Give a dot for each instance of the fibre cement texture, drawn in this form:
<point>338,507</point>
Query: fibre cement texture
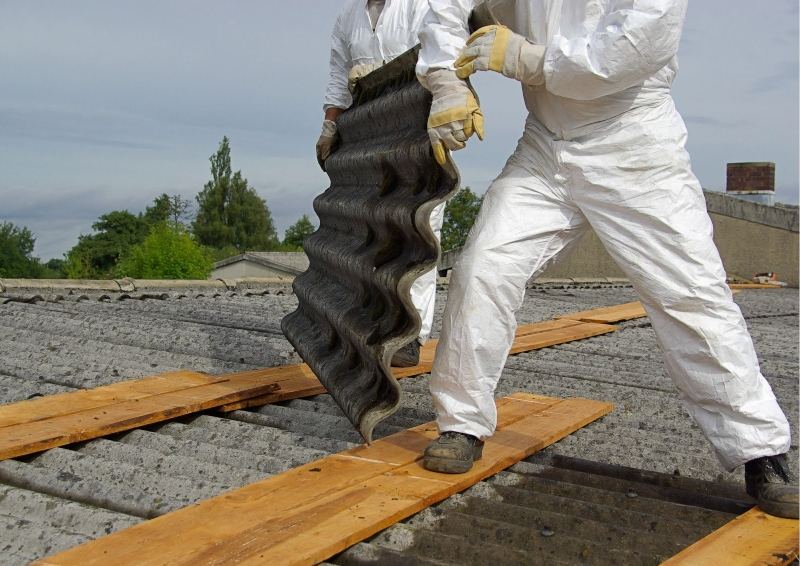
<point>548,509</point>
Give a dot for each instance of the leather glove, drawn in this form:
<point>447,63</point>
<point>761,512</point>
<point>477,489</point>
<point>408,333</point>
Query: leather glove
<point>497,48</point>
<point>326,142</point>
<point>455,114</point>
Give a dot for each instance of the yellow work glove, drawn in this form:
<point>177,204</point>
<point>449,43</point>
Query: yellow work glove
<point>455,114</point>
<point>326,142</point>
<point>497,48</point>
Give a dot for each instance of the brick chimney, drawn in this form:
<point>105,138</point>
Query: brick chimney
<point>752,181</point>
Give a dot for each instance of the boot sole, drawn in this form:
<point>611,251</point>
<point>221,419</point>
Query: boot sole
<point>450,466</point>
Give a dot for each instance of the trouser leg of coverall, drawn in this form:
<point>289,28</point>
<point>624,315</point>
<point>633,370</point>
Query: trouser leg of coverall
<point>423,290</point>
<point>523,222</point>
<point>658,231</point>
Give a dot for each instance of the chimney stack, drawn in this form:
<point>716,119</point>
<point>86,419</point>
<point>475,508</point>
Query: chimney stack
<point>752,181</point>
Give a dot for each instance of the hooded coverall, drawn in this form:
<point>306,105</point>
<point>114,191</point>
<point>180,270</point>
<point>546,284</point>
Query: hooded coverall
<point>603,147</point>
<point>358,45</point>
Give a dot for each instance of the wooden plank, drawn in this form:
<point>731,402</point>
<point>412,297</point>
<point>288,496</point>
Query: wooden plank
<point>560,336</point>
<point>308,514</point>
<point>27,438</point>
<point>75,401</point>
<point>56,420</point>
<point>754,286</point>
<point>529,337</point>
<point>751,538</point>
<point>607,315</point>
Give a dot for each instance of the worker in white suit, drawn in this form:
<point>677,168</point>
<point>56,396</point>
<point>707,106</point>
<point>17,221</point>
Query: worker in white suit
<point>367,34</point>
<point>603,147</point>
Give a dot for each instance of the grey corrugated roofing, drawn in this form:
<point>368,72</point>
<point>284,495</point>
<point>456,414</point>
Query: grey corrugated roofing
<point>584,500</point>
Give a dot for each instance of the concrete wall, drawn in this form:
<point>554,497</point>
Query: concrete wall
<point>752,238</point>
<point>247,269</point>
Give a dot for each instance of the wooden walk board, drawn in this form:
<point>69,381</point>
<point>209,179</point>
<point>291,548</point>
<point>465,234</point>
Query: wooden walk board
<point>118,412</point>
<point>607,315</point>
<point>528,337</point>
<point>754,286</point>
<point>56,420</point>
<point>750,539</point>
<point>310,513</point>
<point>76,401</point>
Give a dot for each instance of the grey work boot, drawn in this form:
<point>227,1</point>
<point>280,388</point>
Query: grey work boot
<point>452,453</point>
<point>407,356</point>
<point>767,481</point>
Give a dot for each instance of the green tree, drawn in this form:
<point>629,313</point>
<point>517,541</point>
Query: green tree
<point>16,252</point>
<point>459,216</point>
<point>174,209</point>
<point>54,269</point>
<point>229,212</point>
<point>297,232</point>
<point>168,252</point>
<point>96,255</point>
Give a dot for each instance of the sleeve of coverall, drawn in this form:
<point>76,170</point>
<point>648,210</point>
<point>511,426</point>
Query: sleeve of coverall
<point>337,95</point>
<point>444,33</point>
<point>633,40</point>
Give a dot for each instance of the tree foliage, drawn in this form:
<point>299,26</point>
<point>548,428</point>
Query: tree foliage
<point>173,209</point>
<point>16,252</point>
<point>459,216</point>
<point>297,232</point>
<point>168,252</point>
<point>229,212</point>
<point>96,255</point>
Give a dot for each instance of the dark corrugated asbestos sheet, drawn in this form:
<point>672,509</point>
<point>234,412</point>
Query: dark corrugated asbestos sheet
<point>373,241</point>
<point>585,500</point>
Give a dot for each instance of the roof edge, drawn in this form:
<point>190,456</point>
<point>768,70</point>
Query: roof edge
<point>773,216</point>
<point>129,285</point>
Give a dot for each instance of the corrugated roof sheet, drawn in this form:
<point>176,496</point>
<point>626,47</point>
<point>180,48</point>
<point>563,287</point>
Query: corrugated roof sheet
<point>584,500</point>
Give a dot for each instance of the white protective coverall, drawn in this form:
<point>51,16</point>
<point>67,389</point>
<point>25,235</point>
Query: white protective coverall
<point>603,146</point>
<point>355,45</point>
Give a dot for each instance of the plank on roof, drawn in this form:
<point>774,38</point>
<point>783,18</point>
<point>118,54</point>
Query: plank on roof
<point>607,315</point>
<point>76,401</point>
<point>119,415</point>
<point>56,420</point>
<point>751,538</point>
<point>528,337</point>
<point>310,513</point>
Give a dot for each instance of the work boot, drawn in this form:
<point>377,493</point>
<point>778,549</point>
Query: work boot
<point>767,481</point>
<point>452,453</point>
<point>407,356</point>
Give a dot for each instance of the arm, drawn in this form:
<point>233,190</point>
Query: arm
<point>632,41</point>
<point>455,114</point>
<point>337,95</point>
<point>444,33</point>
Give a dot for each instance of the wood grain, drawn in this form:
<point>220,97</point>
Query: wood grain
<point>750,539</point>
<point>44,433</point>
<point>607,315</point>
<point>310,513</point>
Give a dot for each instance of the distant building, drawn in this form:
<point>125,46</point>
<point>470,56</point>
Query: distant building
<point>284,265</point>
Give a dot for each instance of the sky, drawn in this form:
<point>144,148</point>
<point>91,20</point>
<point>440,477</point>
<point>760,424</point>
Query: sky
<point>105,105</point>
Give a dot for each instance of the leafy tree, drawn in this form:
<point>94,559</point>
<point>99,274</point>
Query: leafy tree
<point>53,269</point>
<point>95,255</point>
<point>166,208</point>
<point>459,216</point>
<point>16,249</point>
<point>297,232</point>
<point>229,212</point>
<point>168,252</point>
